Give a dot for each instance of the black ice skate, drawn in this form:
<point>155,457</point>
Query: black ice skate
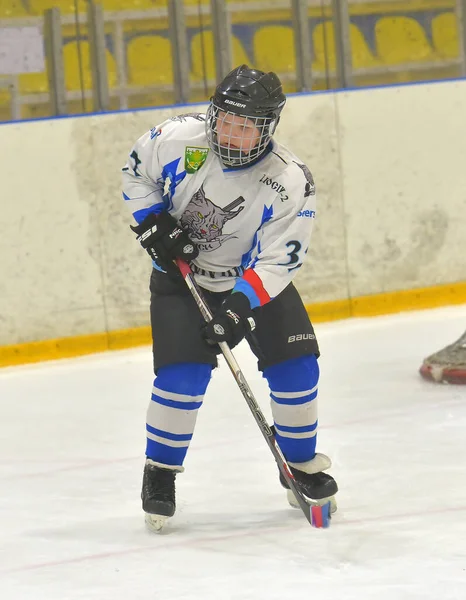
<point>318,487</point>
<point>158,495</point>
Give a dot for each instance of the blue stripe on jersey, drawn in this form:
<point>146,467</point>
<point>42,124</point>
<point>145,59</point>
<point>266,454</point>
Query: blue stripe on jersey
<point>259,250</point>
<point>125,197</point>
<point>267,214</point>
<point>140,215</point>
<point>246,258</point>
<point>170,170</point>
<point>176,437</point>
<point>246,288</point>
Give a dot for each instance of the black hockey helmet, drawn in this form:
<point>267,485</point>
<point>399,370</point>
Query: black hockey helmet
<point>249,93</point>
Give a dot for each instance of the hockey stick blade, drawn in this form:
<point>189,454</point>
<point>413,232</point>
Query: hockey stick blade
<point>316,514</point>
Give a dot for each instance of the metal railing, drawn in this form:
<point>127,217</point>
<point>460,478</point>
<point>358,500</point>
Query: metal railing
<point>102,95</point>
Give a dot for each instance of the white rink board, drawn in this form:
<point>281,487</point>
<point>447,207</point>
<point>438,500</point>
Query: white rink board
<point>390,178</point>
<point>50,279</point>
<point>403,156</point>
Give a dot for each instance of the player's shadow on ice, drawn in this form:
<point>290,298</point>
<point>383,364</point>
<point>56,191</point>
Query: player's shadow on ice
<point>124,530</point>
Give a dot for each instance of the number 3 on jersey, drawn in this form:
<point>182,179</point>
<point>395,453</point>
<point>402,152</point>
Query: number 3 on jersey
<point>295,247</point>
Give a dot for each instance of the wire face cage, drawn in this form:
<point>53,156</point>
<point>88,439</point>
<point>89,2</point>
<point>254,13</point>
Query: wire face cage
<point>237,139</point>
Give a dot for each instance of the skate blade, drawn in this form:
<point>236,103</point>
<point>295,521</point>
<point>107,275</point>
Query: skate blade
<point>155,522</point>
<point>440,374</point>
<point>321,510</point>
<point>333,503</point>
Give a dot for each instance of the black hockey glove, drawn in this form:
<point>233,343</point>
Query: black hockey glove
<point>164,240</point>
<point>231,322</point>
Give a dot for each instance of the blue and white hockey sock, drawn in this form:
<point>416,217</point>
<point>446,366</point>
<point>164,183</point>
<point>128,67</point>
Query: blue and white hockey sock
<point>293,390</point>
<point>177,395</point>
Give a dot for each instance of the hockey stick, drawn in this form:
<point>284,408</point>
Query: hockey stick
<point>317,515</point>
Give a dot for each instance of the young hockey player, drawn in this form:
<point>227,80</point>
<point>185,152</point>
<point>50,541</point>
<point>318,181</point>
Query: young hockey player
<point>218,192</point>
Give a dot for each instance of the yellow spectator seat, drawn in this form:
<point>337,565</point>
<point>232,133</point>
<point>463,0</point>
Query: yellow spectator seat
<point>361,54</point>
<point>323,42</point>
<point>323,39</point>
<point>445,35</point>
<point>206,2</point>
<point>115,5</point>
<point>402,40</point>
<point>274,49</point>
<point>12,8</point>
<point>5,99</point>
<point>33,83</point>
<point>150,60</point>
<point>29,83</point>
<point>198,55</point>
<point>71,63</point>
<point>37,7</point>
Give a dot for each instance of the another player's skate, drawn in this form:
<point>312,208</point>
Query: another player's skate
<point>317,487</point>
<point>158,494</point>
<point>447,365</point>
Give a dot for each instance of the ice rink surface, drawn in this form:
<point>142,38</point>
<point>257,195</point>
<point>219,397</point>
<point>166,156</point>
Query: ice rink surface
<point>72,449</point>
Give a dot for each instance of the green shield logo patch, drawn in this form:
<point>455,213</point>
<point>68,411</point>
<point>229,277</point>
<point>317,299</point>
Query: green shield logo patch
<point>194,158</point>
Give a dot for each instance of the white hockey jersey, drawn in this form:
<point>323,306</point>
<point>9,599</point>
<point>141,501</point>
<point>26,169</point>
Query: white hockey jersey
<point>252,225</point>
